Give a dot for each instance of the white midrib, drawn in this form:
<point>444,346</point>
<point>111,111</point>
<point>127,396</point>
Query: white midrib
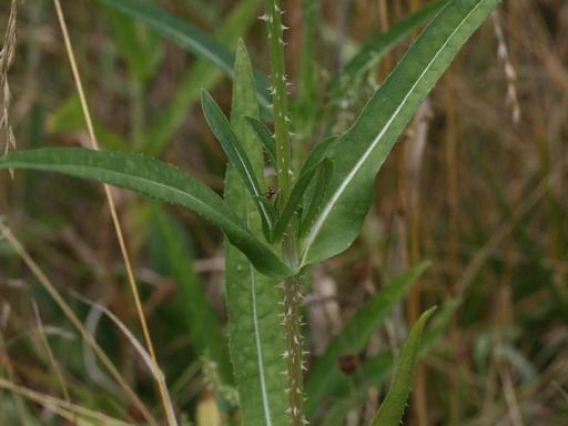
<point>331,204</point>
<point>257,339</point>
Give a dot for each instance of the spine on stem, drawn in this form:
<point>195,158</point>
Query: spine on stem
<point>292,286</point>
<point>273,18</point>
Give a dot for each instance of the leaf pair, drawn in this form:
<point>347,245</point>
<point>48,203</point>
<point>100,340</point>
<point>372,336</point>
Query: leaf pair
<point>274,223</point>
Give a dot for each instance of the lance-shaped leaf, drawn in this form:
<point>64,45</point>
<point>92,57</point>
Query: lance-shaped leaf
<point>222,130</point>
<point>350,390</point>
<point>188,37</point>
<point>325,374</point>
<point>358,155</point>
<point>295,199</point>
<point>157,180</point>
<point>391,410</point>
<point>381,43</point>
<point>265,137</point>
<point>256,335</point>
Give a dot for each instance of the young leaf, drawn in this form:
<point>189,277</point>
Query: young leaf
<point>265,137</point>
<point>222,130</point>
<point>256,335</point>
<point>381,43</point>
<point>318,153</point>
<point>359,153</point>
<point>355,335</point>
<point>156,180</point>
<point>294,200</point>
<point>391,410</point>
<point>190,38</point>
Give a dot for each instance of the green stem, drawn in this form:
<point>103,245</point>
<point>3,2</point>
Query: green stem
<point>292,286</point>
<point>280,96</point>
<point>294,353</point>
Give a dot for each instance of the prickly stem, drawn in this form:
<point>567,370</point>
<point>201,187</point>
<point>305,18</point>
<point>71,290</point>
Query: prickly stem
<point>294,358</point>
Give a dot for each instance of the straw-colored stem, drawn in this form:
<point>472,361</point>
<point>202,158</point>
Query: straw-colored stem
<point>117,226</point>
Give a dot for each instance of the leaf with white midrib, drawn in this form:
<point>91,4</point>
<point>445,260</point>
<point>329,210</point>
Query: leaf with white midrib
<point>359,153</point>
<point>256,335</point>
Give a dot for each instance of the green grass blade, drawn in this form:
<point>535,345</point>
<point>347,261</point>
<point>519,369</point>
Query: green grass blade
<point>265,136</point>
<point>201,74</point>
<point>355,335</point>
<point>379,44</point>
<point>222,130</point>
<point>358,155</point>
<point>156,180</point>
<point>204,327</point>
<point>256,335</point>
<point>391,410</point>
<point>190,38</point>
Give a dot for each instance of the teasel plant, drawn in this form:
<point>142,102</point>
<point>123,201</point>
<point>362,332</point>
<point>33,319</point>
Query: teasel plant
<point>274,236</point>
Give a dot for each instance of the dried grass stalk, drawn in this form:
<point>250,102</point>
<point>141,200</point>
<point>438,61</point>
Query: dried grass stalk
<point>512,99</point>
<point>7,138</point>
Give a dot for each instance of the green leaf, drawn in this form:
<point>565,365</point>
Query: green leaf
<point>381,43</point>
<point>319,152</point>
<point>358,155</point>
<point>222,130</point>
<point>315,194</point>
<point>201,322</point>
<point>190,38</point>
<point>391,410</point>
<point>294,200</point>
<point>256,335</point>
<point>201,74</point>
<point>156,180</point>
<point>349,391</point>
<point>325,373</point>
<point>265,136</point>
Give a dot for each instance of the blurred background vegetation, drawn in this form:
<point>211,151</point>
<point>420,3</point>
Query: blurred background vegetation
<point>477,186</point>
